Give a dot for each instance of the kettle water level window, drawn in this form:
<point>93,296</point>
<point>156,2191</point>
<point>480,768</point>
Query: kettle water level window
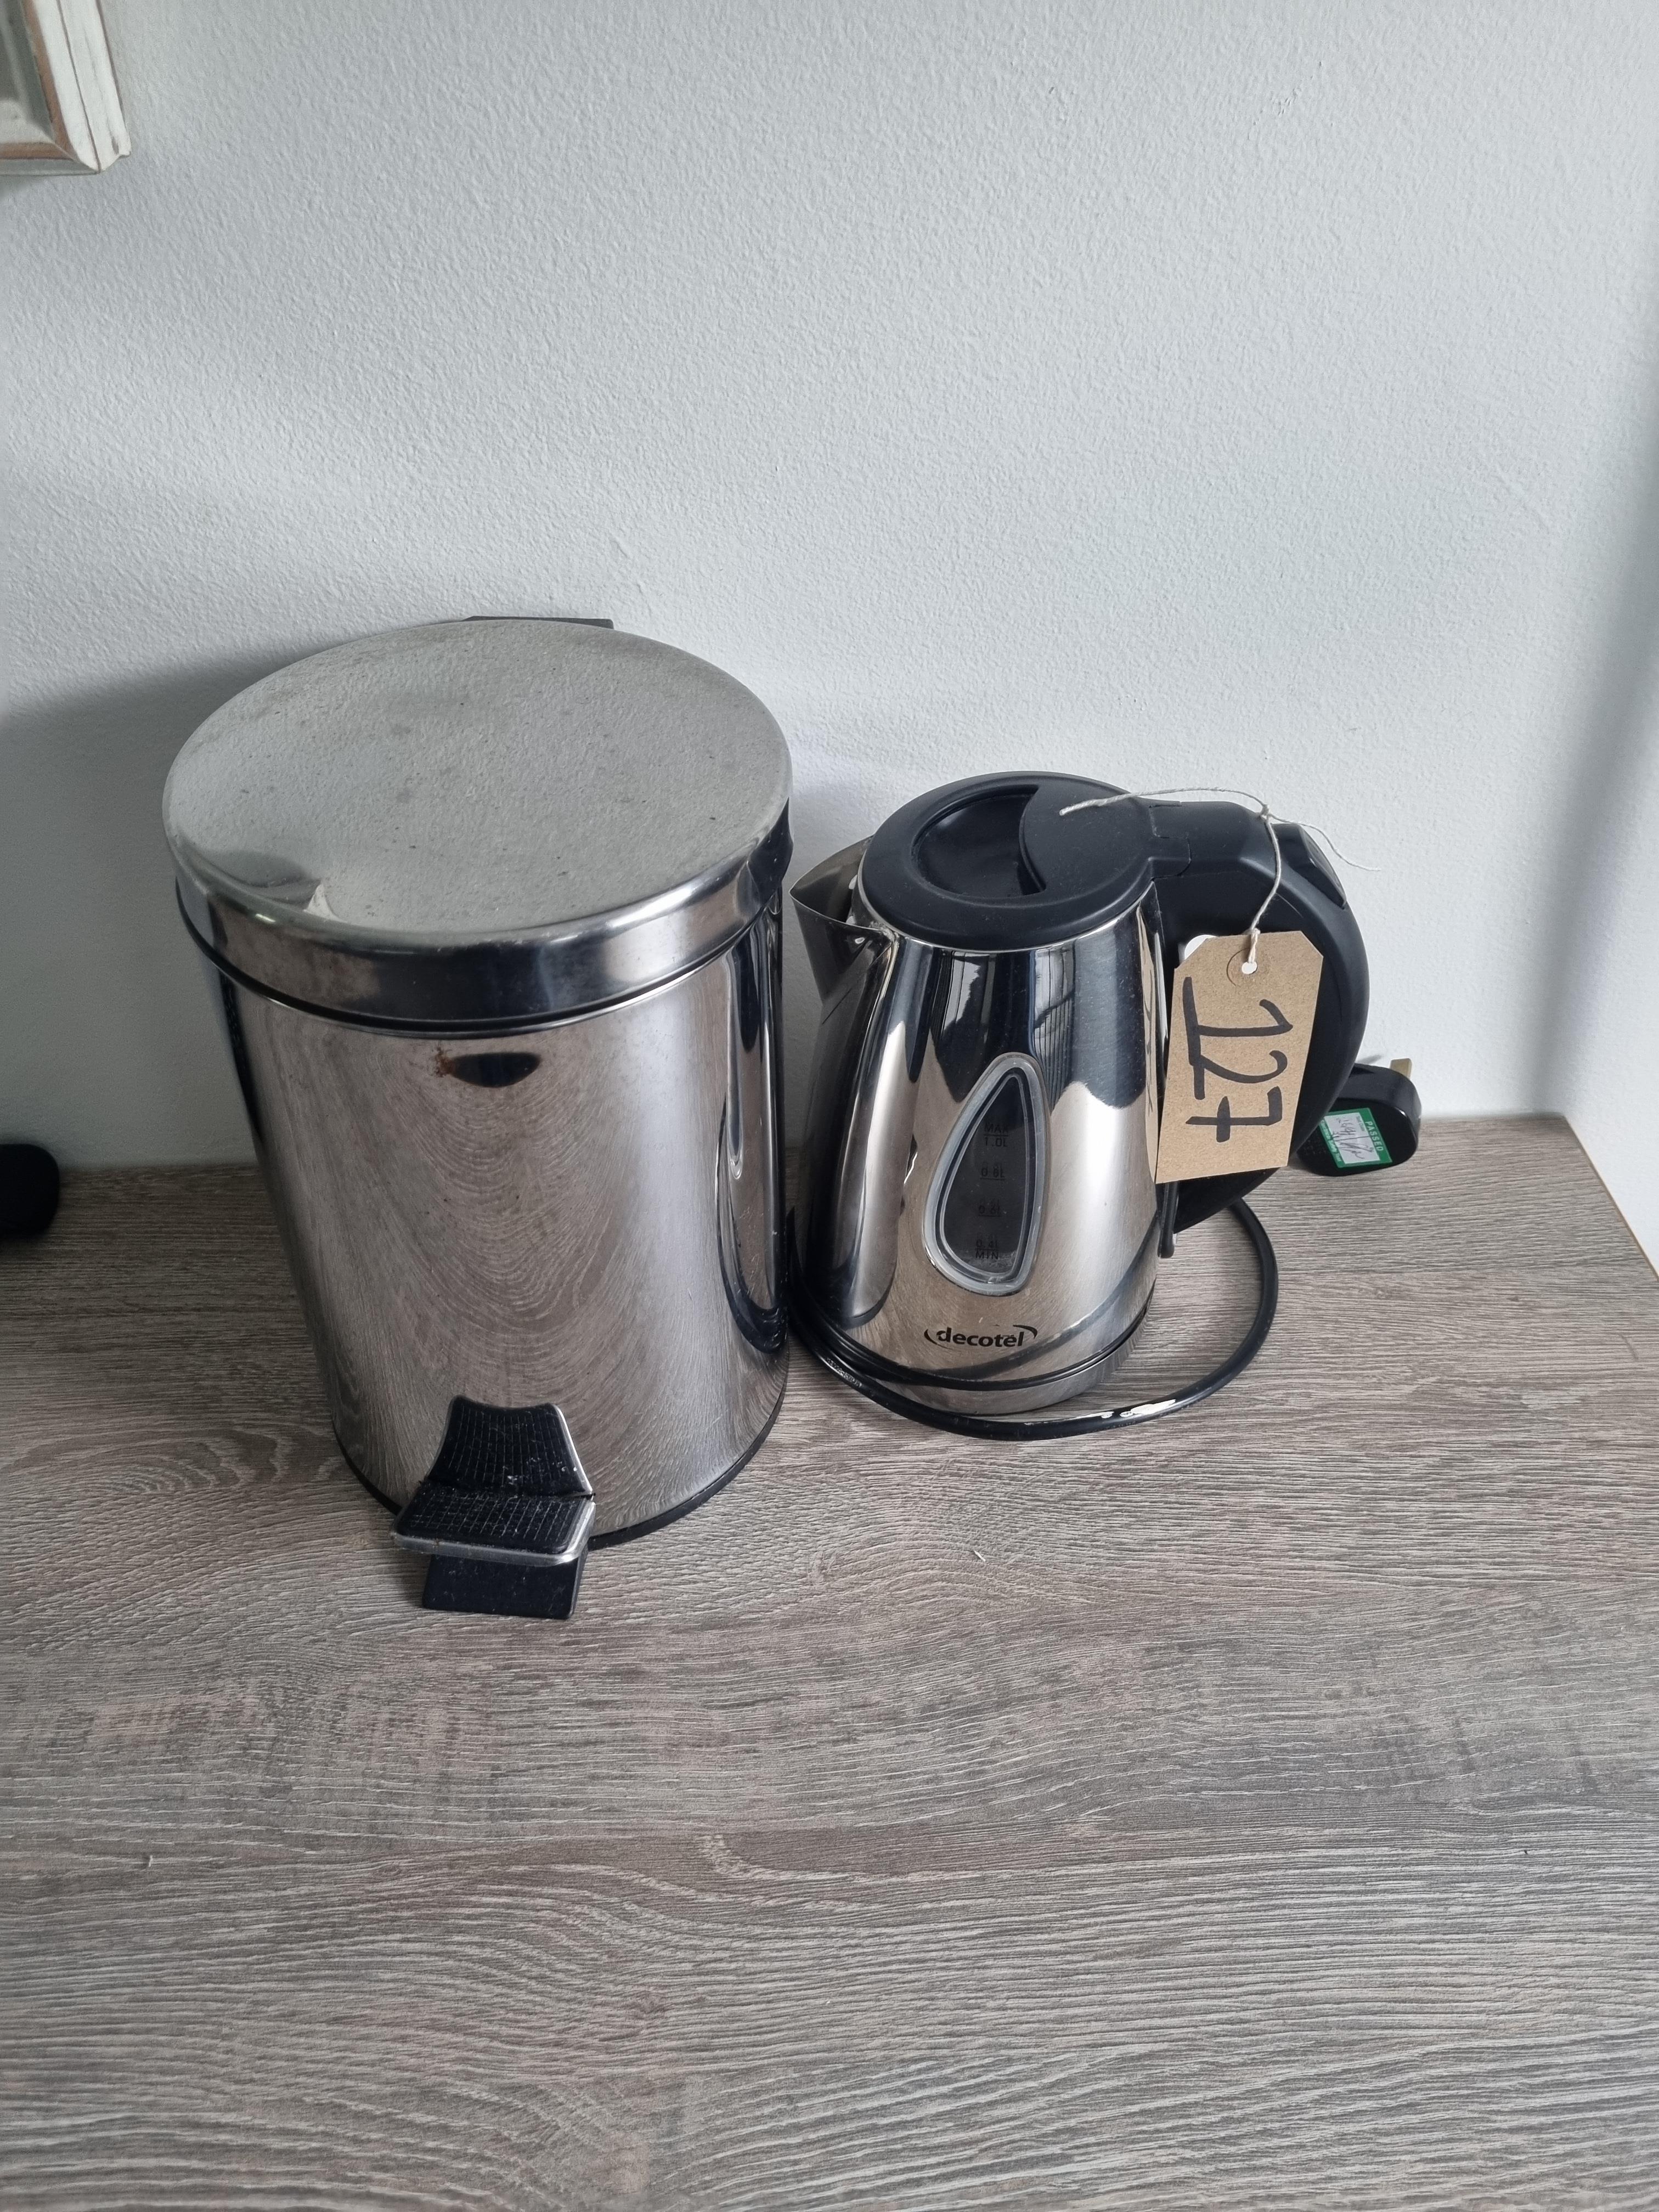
<point>984,1207</point>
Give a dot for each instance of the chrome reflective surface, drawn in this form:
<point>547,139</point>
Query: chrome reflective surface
<point>976,1219</point>
<point>587,1215</point>
<point>493,986</point>
<point>479,825</point>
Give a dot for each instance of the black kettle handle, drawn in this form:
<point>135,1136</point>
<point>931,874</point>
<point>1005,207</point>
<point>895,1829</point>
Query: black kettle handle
<point>1214,867</point>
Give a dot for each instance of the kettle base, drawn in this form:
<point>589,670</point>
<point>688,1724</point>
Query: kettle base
<point>930,1395</point>
<point>900,1394</point>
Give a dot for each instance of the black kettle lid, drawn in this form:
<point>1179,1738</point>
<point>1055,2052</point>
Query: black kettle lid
<point>1009,863</point>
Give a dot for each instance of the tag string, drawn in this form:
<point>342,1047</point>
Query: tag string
<point>1248,965</point>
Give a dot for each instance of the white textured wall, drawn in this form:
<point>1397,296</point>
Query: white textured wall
<point>1258,394</point>
<point>1610,1091</point>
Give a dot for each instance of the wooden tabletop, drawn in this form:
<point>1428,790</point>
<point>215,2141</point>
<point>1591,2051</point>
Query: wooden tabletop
<point>1255,1808</point>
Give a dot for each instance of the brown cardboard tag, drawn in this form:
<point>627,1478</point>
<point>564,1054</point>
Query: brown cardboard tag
<point>1238,1045</point>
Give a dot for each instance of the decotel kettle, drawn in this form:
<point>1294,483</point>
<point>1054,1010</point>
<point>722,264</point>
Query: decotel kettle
<point>978,1219</point>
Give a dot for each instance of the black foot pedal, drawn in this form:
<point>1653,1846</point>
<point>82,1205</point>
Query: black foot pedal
<point>505,1514</point>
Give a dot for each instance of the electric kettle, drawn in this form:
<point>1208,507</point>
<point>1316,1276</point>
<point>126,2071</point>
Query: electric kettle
<point>978,1220</point>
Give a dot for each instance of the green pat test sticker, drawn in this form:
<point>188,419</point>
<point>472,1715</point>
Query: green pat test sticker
<point>1354,1139</point>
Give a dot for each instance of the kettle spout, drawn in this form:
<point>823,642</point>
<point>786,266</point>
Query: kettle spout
<point>824,902</point>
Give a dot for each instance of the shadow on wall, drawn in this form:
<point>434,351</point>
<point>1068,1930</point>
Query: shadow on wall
<point>1608,755</point>
<point>835,802</point>
<point>106,1019</point>
<point>26,176</point>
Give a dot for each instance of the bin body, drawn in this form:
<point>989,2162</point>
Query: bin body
<point>491,913</point>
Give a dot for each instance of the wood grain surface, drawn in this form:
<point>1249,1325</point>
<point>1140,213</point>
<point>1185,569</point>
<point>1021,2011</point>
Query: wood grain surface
<point>1256,1808</point>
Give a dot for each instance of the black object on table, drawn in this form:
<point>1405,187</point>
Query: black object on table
<point>29,1186</point>
<point>505,1515</point>
<point>1373,1122</point>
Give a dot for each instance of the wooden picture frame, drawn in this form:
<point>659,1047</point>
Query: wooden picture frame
<point>60,109</point>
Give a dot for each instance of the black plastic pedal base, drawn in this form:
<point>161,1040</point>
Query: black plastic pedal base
<point>548,1593</point>
<point>505,1515</point>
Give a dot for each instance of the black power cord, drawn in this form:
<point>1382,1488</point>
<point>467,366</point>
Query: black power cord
<point>1021,1431</point>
